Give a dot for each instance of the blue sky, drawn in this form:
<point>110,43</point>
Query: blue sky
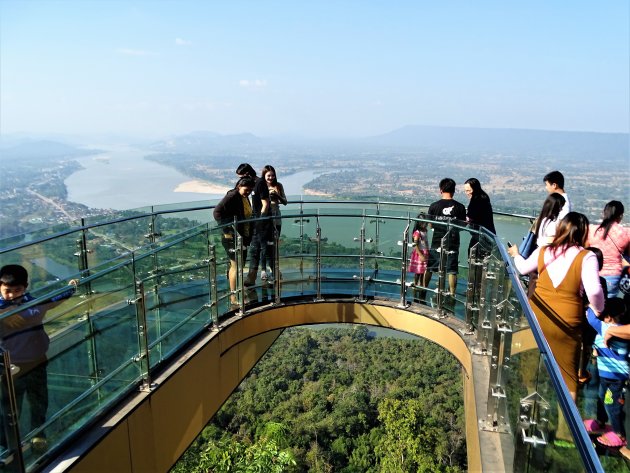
<point>317,68</point>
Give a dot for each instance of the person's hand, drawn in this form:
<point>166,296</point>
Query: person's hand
<point>513,251</point>
<point>607,336</point>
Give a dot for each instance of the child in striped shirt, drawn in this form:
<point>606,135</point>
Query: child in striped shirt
<point>612,365</point>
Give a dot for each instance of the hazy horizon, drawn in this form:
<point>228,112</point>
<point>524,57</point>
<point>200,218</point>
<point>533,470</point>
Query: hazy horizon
<point>326,70</point>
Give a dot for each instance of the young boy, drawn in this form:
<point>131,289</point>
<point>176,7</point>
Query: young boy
<point>554,182</point>
<point>612,365</point>
<point>23,336</point>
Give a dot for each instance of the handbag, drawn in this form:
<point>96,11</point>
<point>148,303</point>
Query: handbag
<point>529,243</point>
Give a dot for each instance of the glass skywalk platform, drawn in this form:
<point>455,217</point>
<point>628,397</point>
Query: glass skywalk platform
<point>153,280</point>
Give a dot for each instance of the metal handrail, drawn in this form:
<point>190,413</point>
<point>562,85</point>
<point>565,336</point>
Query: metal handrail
<point>567,405</point>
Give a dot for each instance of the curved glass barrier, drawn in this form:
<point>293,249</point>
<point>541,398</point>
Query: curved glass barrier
<point>150,283</point>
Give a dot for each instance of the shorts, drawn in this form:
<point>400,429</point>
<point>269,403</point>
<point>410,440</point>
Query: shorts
<point>452,262</point>
<point>228,245</point>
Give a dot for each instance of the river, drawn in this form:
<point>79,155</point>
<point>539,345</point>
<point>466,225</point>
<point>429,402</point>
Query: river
<point>121,179</point>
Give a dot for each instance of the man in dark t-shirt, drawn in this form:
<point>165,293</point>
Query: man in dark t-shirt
<point>444,211</point>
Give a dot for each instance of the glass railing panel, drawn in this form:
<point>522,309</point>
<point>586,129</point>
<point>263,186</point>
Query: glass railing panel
<point>177,293</point>
<point>510,228</point>
<point>338,208</point>
<point>341,251</point>
<point>222,266</point>
<point>107,242</point>
<point>113,215</point>
<point>298,250</point>
<point>10,447</point>
<point>401,209</point>
<point>46,262</point>
<point>168,224</point>
<point>184,206</point>
<point>40,230</point>
<point>92,360</point>
<point>383,255</point>
<point>543,441</point>
<point>86,365</point>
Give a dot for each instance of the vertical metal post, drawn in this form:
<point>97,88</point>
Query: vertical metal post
<point>361,239</point>
<point>403,267</point>
<point>496,326</point>
<point>318,261</point>
<point>82,254</point>
<point>475,268</point>
<point>276,262</point>
<point>442,273</point>
<point>143,337</point>
<point>213,292</point>
<point>238,257</point>
<point>377,234</point>
<point>157,271</point>
<point>301,220</point>
<point>12,459</point>
<point>487,305</point>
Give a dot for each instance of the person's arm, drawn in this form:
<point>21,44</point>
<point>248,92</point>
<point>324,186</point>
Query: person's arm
<point>281,195</point>
<point>219,212</point>
<point>593,320</point>
<point>590,281</point>
<point>524,266</point>
<point>35,315</point>
<point>619,331</point>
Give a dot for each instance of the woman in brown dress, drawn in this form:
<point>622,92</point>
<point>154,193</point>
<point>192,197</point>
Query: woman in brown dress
<point>566,271</point>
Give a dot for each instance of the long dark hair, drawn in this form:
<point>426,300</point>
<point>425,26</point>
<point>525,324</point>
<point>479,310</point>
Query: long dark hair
<point>477,191</point>
<point>550,209</point>
<point>613,211</point>
<point>268,168</point>
<point>572,230</point>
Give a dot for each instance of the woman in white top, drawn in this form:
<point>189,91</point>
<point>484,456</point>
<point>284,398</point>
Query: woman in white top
<point>545,230</point>
<point>548,219</point>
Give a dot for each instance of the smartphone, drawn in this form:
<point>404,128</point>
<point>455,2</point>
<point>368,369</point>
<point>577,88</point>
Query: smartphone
<point>509,244</point>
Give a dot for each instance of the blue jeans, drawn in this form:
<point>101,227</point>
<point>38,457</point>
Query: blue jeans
<point>612,283</point>
<point>613,403</point>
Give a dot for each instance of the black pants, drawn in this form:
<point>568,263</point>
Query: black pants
<point>32,383</point>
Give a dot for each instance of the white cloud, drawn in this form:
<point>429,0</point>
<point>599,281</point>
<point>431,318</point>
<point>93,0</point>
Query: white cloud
<point>136,52</point>
<point>253,84</point>
<point>182,42</point>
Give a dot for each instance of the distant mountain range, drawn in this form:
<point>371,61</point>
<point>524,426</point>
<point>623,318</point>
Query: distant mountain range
<point>512,141</point>
<point>497,141</point>
<point>39,150</point>
<point>560,144</point>
<point>200,141</point>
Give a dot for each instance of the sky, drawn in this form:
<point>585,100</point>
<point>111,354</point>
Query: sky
<point>312,68</point>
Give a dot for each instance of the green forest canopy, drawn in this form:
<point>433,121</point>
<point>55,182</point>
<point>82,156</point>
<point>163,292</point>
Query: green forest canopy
<point>342,400</point>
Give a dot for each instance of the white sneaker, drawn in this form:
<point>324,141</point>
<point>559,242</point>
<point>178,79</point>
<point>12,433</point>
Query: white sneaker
<point>263,275</point>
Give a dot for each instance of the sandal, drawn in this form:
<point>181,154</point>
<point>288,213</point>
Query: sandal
<point>611,439</point>
<point>593,426</point>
